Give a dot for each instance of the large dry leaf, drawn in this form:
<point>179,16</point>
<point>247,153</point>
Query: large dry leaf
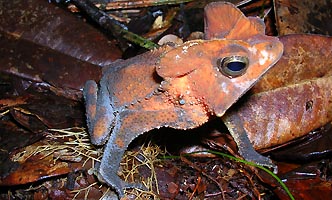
<point>37,63</point>
<point>47,25</point>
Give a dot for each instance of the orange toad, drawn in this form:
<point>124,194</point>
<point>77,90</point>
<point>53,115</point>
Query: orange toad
<point>181,87</point>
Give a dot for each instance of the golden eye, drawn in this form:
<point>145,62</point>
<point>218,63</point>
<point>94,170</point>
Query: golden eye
<point>233,66</point>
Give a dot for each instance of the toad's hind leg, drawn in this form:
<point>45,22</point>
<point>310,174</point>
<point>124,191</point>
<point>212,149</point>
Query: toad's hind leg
<point>90,98</point>
<point>99,112</point>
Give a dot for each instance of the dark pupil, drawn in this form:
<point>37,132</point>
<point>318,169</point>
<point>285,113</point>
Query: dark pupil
<point>236,66</point>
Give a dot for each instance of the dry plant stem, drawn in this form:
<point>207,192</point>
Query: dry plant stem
<point>115,5</point>
<point>78,146</point>
<point>252,182</point>
<point>184,159</point>
<point>108,23</point>
<point>4,113</point>
<point>129,167</point>
<point>105,193</point>
<point>81,143</point>
<point>86,189</point>
<point>141,194</point>
<point>147,156</point>
<point>150,154</point>
<point>199,180</point>
<point>241,3</point>
<point>31,188</point>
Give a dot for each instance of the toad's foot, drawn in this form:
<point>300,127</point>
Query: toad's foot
<point>112,179</point>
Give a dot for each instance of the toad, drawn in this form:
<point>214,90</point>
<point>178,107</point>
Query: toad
<point>179,86</point>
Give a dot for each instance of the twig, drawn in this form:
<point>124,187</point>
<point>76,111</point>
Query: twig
<point>139,4</point>
<point>118,29</point>
<point>184,159</point>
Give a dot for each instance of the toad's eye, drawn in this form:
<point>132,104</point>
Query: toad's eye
<point>233,66</point>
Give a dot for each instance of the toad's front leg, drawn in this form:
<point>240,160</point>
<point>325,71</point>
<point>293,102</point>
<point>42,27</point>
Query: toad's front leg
<point>246,149</point>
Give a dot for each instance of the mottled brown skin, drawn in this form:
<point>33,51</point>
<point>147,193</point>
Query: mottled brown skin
<point>179,87</point>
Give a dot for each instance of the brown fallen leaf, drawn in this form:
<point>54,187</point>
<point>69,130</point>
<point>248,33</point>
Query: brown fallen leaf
<point>49,157</point>
<point>312,147</point>
<point>37,169</point>
<point>48,25</point>
<point>37,63</point>
<point>274,117</point>
<point>309,180</point>
<point>303,16</point>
